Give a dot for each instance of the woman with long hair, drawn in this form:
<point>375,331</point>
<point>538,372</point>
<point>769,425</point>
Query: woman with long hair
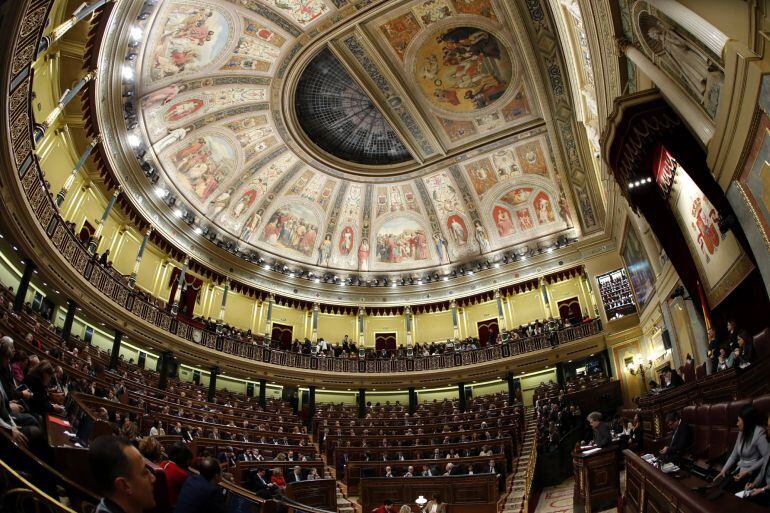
<point>750,449</point>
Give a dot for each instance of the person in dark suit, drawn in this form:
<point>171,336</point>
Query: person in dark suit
<point>262,486</point>
<point>295,476</point>
<point>200,493</point>
<point>602,436</point>
<point>673,379</point>
<point>681,437</point>
<point>636,442</point>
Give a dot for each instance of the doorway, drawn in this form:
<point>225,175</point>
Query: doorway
<point>385,340</point>
<point>282,334</point>
<point>488,331</point>
<point>570,309</point>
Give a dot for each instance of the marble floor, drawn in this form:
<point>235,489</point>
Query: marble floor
<point>558,499</point>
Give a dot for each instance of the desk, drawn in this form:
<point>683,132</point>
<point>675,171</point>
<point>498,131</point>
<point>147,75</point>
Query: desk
<point>597,479</point>
<point>649,489</point>
<point>69,459</point>
<point>463,494</point>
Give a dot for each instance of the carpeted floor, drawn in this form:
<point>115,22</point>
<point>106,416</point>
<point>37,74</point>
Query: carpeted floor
<point>558,499</point>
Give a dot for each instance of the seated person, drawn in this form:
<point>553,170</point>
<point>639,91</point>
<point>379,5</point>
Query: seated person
<point>748,453</point>
<point>601,431</point>
<point>745,353</point>
<point>760,487</point>
<point>681,437</point>
<point>200,493</point>
<point>278,479</point>
<point>121,477</point>
<point>672,379</point>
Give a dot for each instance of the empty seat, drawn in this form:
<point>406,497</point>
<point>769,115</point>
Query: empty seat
<point>719,432</point>
<point>701,431</point>
<point>762,404</point>
<point>762,343</point>
<point>160,489</point>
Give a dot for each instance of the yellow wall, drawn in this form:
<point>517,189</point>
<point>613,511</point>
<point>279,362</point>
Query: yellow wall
<point>384,324</point>
<point>472,314</point>
<point>333,328</point>
<point>492,387</point>
<point>565,290</point>
<point>297,319</point>
<point>526,307</point>
<point>733,17</point>
<point>433,327</point>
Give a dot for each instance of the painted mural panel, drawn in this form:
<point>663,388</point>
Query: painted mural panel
<point>342,248</point>
<point>258,47</point>
<point>293,226</point>
<point>463,69</point>
<point>401,240</point>
<point>638,266</point>
<point>400,32</point>
<point>303,12</point>
<point>532,158</point>
<point>192,36</point>
<point>395,198</point>
<point>477,7</point>
<point>202,164</point>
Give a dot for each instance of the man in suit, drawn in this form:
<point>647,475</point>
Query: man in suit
<point>200,492</point>
<point>451,470</point>
<point>426,471</point>
<point>491,467</point>
<point>673,379</point>
<point>262,487</point>
<point>602,436</point>
<point>295,476</point>
<point>388,471</point>
<point>681,437</point>
<point>409,471</point>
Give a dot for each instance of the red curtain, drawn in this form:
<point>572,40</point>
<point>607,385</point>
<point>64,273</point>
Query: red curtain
<point>283,334</point>
<point>189,295</point>
<point>487,329</point>
<point>570,309</point>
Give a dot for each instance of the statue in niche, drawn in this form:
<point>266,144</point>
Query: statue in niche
<point>690,64</point>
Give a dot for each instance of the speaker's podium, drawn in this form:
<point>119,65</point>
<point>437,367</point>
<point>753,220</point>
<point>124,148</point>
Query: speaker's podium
<point>597,478</point>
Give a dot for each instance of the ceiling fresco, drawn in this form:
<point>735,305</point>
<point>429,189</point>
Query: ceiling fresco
<point>445,80</point>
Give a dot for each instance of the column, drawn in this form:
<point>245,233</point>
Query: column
<point>606,363</point>
<point>100,227</point>
<point>21,292</point>
<point>115,353</point>
<point>67,329</point>
<point>310,406</point>
<point>67,97</point>
<point>695,118</point>
<point>500,311</point>
<point>263,392</point>
<point>165,360</point>
<point>511,388</point>
<point>705,32</point>
<point>408,316</point>
<point>139,254</point>
<point>79,14</point>
<point>361,324</point>
<point>314,326</point>
<point>71,178</point>
<point>544,298</point>
<point>221,316</point>
<point>269,321</point>
<point>361,403</point>
<point>560,374</point>
<point>180,284</point>
<point>213,373</point>
<point>412,400</point>
<point>455,320</point>
<point>461,392</point>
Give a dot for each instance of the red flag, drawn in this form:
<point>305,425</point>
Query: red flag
<point>705,306</point>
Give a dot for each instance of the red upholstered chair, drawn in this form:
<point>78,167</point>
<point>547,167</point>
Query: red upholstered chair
<point>700,371</point>
<point>160,489</point>
<point>701,431</point>
<point>762,343</point>
<point>719,433</point>
<point>762,404</point>
<point>688,371</point>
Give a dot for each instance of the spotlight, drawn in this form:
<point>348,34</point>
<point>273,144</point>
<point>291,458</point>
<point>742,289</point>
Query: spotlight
<point>133,140</point>
<point>128,73</point>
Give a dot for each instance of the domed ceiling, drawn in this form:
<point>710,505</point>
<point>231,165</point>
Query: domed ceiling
<point>354,136</point>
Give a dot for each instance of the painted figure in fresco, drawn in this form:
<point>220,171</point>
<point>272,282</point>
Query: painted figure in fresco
<point>243,204</point>
<point>457,230</point>
<point>363,256</point>
<point>482,239</point>
<point>163,96</point>
<point>543,209</point>
<point>564,209</point>
<point>503,221</point>
<point>251,224</point>
<point>181,110</point>
<point>171,138</point>
<point>525,220</point>
<point>221,202</point>
<point>346,241</point>
<point>705,225</point>
<point>442,248</point>
<point>325,251</point>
